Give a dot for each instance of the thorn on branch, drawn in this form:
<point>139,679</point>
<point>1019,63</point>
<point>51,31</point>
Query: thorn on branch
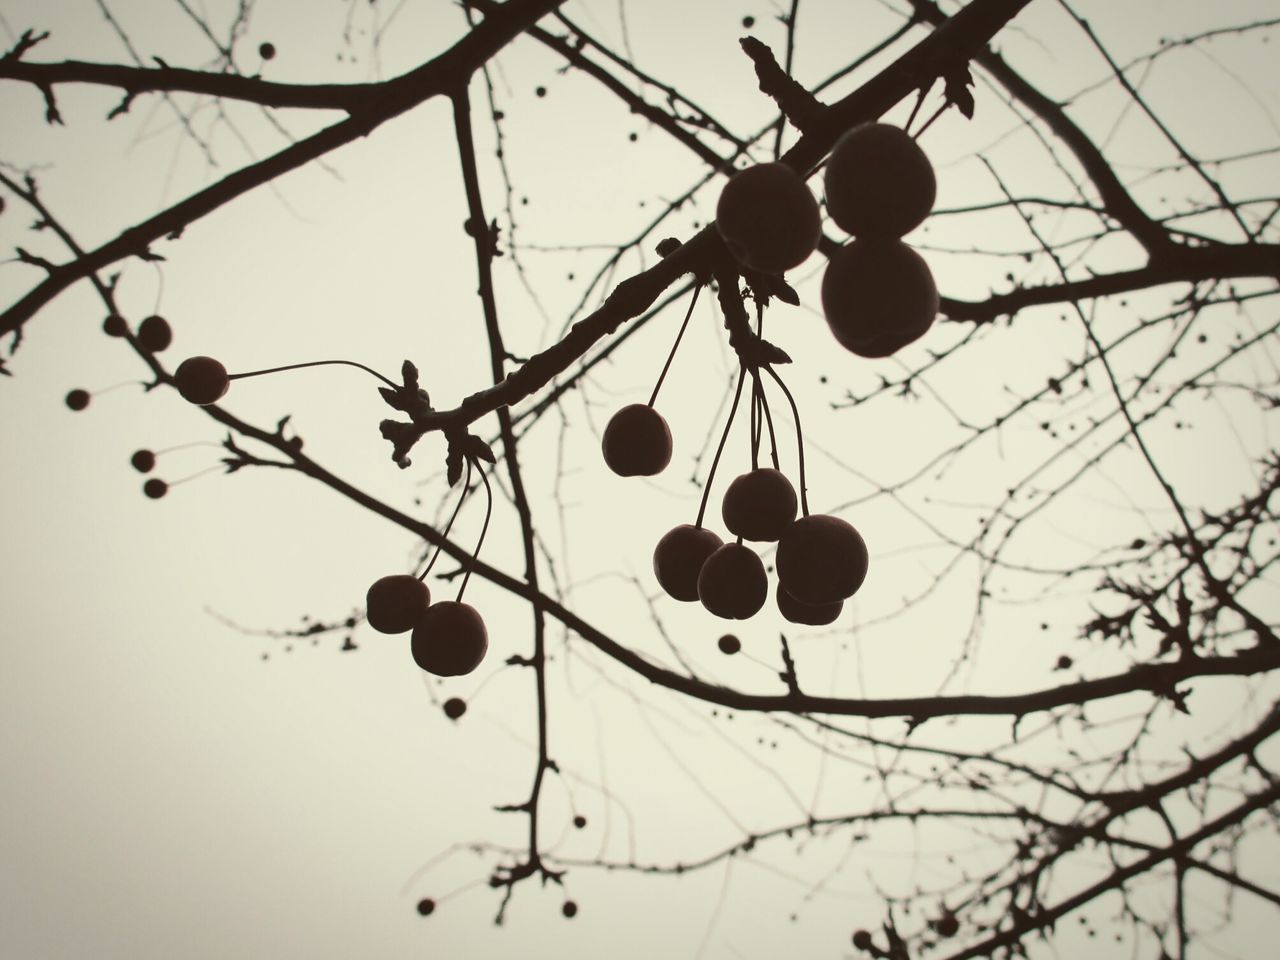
<point>33,260</point>
<point>788,673</point>
<point>25,42</point>
<point>796,103</point>
<point>51,114</point>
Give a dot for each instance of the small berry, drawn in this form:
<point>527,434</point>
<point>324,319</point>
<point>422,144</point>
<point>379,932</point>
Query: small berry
<point>879,183</point>
<point>821,559</point>
<point>748,22</point>
<point>78,399</point>
<point>862,939</point>
<point>768,218</point>
<point>678,559</point>
<point>450,639</point>
<point>729,644</point>
<point>114,326</point>
<point>267,51</point>
<point>947,925</point>
<point>426,906</point>
<point>570,909</point>
<point>155,334</point>
<point>144,461</point>
<point>809,614</point>
<point>201,380</point>
<point>455,707</point>
<point>759,505</point>
<point>155,488</point>
<point>732,583</point>
<point>396,603</point>
<point>637,442</point>
<point>541,91</point>
<point>579,821</point>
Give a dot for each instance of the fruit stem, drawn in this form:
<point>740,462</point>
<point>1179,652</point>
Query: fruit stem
<point>755,420</point>
<point>795,415</point>
<point>711,474</point>
<point>484,527</point>
<point>316,363</point>
<point>675,346</point>
<point>466,487</point>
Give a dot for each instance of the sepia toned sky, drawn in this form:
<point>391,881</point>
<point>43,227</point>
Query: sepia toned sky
<point>176,782</point>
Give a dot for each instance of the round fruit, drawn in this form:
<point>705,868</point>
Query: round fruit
<point>144,461</point>
<point>637,442</point>
<point>878,296</point>
<point>862,939</point>
<point>455,707</point>
<point>155,488</point>
<point>155,334</point>
<point>809,614</point>
<point>426,906</point>
<point>396,603</point>
<point>114,326</point>
<point>266,50</point>
<point>450,639</point>
<point>78,399</point>
<point>570,909</point>
<point>579,821</point>
<point>768,218</point>
<point>678,559</point>
<point>729,644</point>
<point>201,380</point>
<point>879,182</point>
<point>821,559</point>
<point>733,584</point>
<point>947,925</point>
<point>758,505</point>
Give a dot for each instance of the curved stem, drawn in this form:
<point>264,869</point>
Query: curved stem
<point>484,528</point>
<point>795,415</point>
<point>466,487</point>
<point>675,346</point>
<point>711,474</point>
<point>316,363</point>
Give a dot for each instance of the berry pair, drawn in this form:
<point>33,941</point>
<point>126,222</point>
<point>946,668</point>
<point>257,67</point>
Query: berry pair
<point>449,637</point>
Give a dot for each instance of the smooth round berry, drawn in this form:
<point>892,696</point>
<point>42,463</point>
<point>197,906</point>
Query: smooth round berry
<point>78,399</point>
<point>426,906</point>
<point>878,296</point>
<point>768,219</point>
<point>637,442</point>
<point>879,183</point>
<point>821,559</point>
<point>114,326</point>
<point>155,488</point>
<point>579,821</point>
<point>155,334</point>
<point>201,380</point>
<point>759,504</point>
<point>729,644</point>
<point>144,461</point>
<point>396,603</point>
<point>570,909</point>
<point>862,939</point>
<point>450,639</point>
<point>266,50</point>
<point>455,707</point>
<point>678,559</point>
<point>732,583</point>
<point>808,614</point>
<point>947,925</point>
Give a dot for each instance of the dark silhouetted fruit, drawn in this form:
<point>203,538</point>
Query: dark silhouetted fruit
<point>201,380</point>
<point>455,707</point>
<point>768,218</point>
<point>114,326</point>
<point>759,504</point>
<point>821,559</point>
<point>637,442</point>
<point>396,603</point>
<point>450,640</point>
<point>809,614</point>
<point>947,925</point>
<point>678,559</point>
<point>155,488</point>
<point>570,909</point>
<point>155,334</point>
<point>579,821</point>
<point>733,584</point>
<point>729,644</point>
<point>266,50</point>
<point>426,906</point>
<point>78,399</point>
<point>144,461</point>
<point>862,939</point>
<point>878,296</point>
<point>879,183</point>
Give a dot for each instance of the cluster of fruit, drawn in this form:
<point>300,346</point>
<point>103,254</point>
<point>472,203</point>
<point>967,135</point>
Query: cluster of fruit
<point>449,637</point>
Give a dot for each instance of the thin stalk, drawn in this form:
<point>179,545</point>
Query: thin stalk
<point>316,363</point>
<point>795,415</point>
<point>711,474</point>
<point>466,486</point>
<point>675,346</point>
<point>484,528</point>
